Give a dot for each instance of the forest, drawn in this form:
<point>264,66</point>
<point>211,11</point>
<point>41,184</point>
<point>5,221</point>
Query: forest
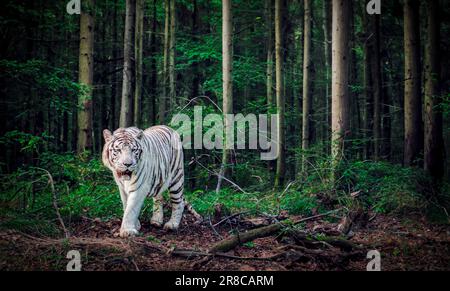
<point>358,102</point>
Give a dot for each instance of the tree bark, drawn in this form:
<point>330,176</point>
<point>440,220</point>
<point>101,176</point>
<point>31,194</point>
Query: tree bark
<point>128,84</point>
<point>138,48</point>
<point>307,96</point>
<point>153,69</point>
<point>172,74</point>
<point>368,86</point>
<point>195,69</point>
<point>269,65</point>
<point>227,83</point>
<point>339,85</point>
<point>281,167</point>
<point>412,99</point>
<point>114,79</point>
<point>377,88</point>
<point>163,100</point>
<point>86,77</point>
<point>433,147</point>
<point>327,53</point>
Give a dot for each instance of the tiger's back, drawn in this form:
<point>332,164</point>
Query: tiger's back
<point>165,161</point>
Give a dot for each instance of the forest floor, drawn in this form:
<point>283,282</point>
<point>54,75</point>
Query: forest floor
<point>407,244</point>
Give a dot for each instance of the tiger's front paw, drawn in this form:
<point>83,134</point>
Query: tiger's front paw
<point>128,232</point>
<point>138,225</point>
<point>156,223</point>
<point>171,225</point>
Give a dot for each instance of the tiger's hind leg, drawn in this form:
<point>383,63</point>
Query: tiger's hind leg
<point>158,213</point>
<point>177,201</point>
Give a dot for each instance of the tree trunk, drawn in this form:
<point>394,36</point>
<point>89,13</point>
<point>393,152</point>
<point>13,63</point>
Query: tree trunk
<point>339,85</point>
<point>307,98</point>
<point>114,79</point>
<point>326,46</point>
<point>227,68</point>
<point>128,84</point>
<point>195,69</point>
<point>368,85</point>
<point>269,65</point>
<point>153,69</point>
<point>86,77</point>
<point>377,87</point>
<point>138,47</point>
<point>353,98</point>
<point>412,100</point>
<point>433,148</point>
<point>172,74</point>
<point>280,172</point>
<point>163,100</point>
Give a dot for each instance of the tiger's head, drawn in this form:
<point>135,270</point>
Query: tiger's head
<point>122,151</point>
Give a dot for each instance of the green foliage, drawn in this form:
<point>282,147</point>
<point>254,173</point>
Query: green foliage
<point>389,188</point>
<point>27,143</point>
<point>256,202</point>
<point>83,187</point>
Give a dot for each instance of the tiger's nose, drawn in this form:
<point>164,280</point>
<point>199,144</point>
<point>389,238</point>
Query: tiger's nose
<point>127,164</point>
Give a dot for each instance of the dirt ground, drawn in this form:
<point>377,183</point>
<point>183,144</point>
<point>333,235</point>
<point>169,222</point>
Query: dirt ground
<point>410,244</point>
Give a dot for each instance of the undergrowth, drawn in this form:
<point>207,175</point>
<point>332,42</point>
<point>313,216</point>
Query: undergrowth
<point>85,188</point>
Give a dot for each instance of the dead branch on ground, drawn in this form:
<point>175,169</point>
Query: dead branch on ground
<point>241,238</point>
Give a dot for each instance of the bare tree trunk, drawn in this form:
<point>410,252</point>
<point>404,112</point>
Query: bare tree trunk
<point>281,167</point>
<point>86,76</point>
<point>307,96</point>
<point>163,100</point>
<point>114,78</point>
<point>368,86</point>
<point>128,84</point>
<point>433,157</point>
<point>339,85</point>
<point>227,83</point>
<point>353,100</point>
<point>172,75</point>
<point>138,47</point>
<point>412,101</point>
<point>153,69</point>
<point>377,88</point>
<point>269,66</point>
<point>326,46</point>
<point>195,69</point>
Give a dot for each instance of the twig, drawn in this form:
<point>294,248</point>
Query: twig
<point>212,227</point>
<point>55,203</point>
<point>218,174</point>
<point>230,217</point>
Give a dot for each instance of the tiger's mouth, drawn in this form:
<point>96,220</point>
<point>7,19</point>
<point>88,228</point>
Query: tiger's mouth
<point>124,175</point>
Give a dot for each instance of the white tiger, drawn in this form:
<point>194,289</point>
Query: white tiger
<point>146,163</point>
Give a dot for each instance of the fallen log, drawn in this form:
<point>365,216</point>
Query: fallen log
<point>241,238</point>
<point>189,254</point>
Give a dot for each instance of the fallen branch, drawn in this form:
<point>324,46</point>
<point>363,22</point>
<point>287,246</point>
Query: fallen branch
<point>229,217</point>
<point>55,203</point>
<point>241,238</point>
<point>193,253</point>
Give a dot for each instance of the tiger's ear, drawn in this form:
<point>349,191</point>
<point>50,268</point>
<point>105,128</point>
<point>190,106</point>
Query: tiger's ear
<point>107,135</point>
<point>140,135</point>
